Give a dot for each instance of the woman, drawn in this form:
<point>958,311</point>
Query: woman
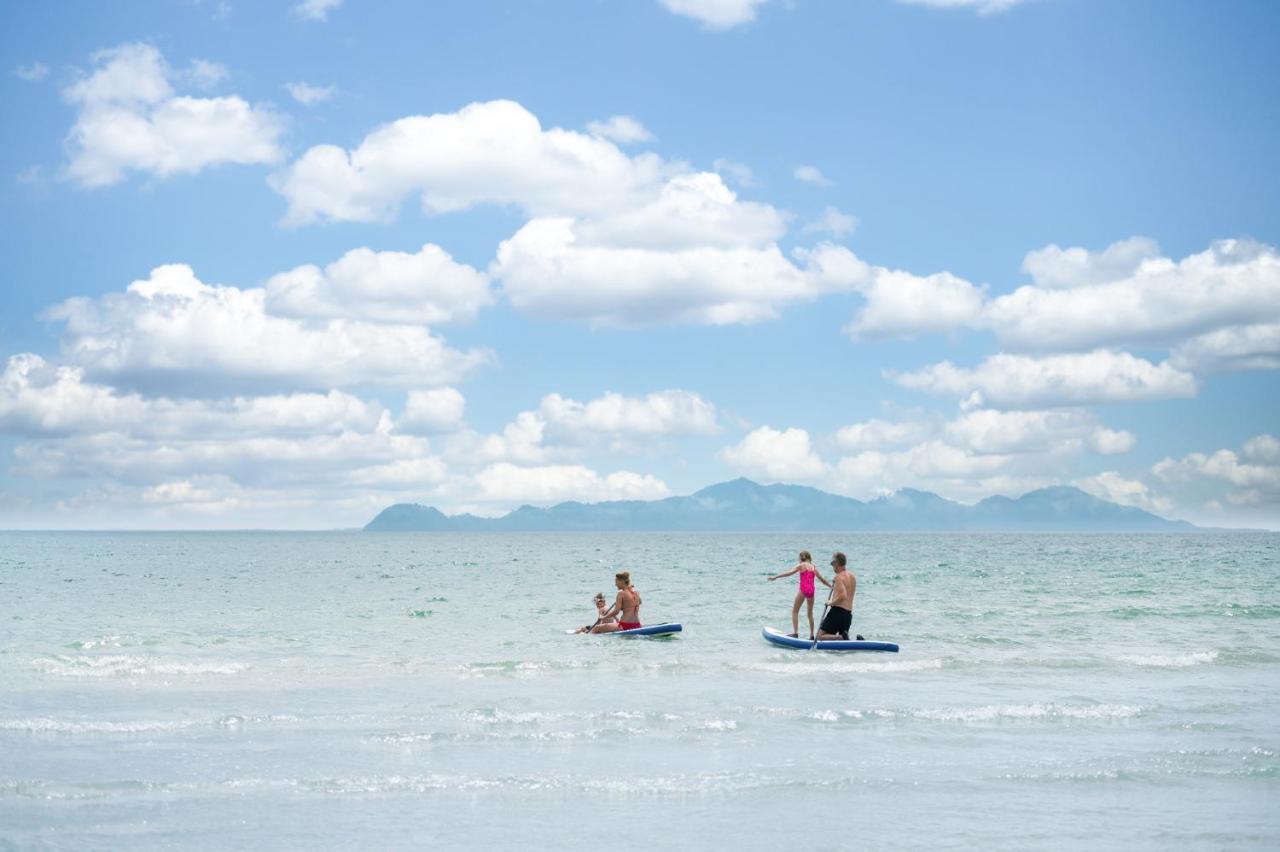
<point>626,607</point>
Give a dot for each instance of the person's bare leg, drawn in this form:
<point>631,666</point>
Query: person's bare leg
<point>809,603</point>
<point>795,614</point>
<point>605,628</point>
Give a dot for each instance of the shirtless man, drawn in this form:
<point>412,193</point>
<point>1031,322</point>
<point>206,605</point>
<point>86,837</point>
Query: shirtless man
<point>626,606</point>
<point>840,616</point>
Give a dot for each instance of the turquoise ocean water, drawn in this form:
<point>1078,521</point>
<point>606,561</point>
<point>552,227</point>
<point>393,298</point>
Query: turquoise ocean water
<point>347,690</point>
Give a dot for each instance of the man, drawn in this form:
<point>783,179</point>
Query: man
<point>840,616</point>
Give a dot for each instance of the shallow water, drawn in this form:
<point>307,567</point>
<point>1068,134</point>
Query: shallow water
<point>357,690</point>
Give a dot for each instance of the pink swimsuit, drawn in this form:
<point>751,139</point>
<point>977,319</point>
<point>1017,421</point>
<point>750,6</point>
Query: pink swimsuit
<point>806,583</point>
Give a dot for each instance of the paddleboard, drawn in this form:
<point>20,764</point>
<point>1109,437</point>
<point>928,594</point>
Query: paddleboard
<point>777,637</point>
<point>649,630</point>
<point>664,629</point>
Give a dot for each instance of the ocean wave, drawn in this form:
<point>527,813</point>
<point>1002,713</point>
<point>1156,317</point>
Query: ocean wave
<point>825,666</point>
<point>1170,661</point>
<point>128,665</point>
<point>48,725</point>
<point>964,715</point>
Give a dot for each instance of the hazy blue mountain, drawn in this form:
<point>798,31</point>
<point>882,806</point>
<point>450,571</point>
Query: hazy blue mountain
<point>743,505</point>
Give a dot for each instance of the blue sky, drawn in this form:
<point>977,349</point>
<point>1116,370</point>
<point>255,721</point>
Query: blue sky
<point>484,254</point>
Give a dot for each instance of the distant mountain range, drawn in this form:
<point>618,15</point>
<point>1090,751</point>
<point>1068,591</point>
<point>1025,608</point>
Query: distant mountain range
<point>743,505</point>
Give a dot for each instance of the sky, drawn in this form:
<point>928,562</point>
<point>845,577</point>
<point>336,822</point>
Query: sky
<point>282,264</point>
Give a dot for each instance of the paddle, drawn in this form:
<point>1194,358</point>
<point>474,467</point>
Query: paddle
<point>825,606</point>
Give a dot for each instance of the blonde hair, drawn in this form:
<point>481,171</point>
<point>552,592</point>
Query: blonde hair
<point>624,576</point>
<point>805,557</point>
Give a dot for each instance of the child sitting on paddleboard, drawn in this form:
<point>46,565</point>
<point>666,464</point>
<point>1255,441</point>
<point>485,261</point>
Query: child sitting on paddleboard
<point>804,594</point>
<point>602,612</point>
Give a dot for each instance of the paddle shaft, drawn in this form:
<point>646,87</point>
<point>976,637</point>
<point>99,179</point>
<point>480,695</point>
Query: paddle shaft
<point>825,607</point>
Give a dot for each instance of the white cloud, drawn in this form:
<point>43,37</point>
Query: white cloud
<point>716,14</point>
<point>129,119</point>
<point>1020,381</point>
<point>41,399</point>
<point>309,95</point>
<point>205,74</point>
<point>505,483</point>
<point>982,7</point>
<point>810,174</point>
<point>428,287</point>
<point>33,72</point>
<point>315,10</point>
<point>899,304</point>
<point>1110,485</point>
<point>494,152</point>
<point>1240,347</point>
<point>832,221</point>
<point>1233,282</point>
<point>669,412</point>
<point>546,270</point>
<point>882,434</point>
<point>1206,483</point>
<point>622,129</point>
<point>992,431</point>
<point>434,411</point>
<point>171,329</point>
<point>739,173</point>
<point>776,456</point>
<point>1056,268</point>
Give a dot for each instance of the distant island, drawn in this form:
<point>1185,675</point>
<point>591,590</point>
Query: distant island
<point>743,505</point>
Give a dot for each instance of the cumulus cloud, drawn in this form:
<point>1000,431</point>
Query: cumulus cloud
<point>1056,268</point>
<point>1238,347</point>
<point>495,152</point>
<point>505,483</point>
<point>129,119</point>
<point>41,399</point>
<point>315,10</point>
<point>428,287</point>
<point>172,330</point>
<point>205,74</point>
<point>977,454</point>
<point>622,129</point>
<point>716,14</point>
<point>832,221</point>
<point>668,412</point>
<point>900,304</point>
<point>810,174</point>
<point>1110,485</point>
<point>771,455</point>
<point>432,411</point>
<point>879,434</point>
<point>1230,487</point>
<point>1160,302</point>
<point>738,173</point>
<point>309,95</point>
<point>695,253</point>
<point>1021,381</point>
<point>992,431</point>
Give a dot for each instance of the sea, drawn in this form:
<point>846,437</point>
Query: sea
<point>350,690</point>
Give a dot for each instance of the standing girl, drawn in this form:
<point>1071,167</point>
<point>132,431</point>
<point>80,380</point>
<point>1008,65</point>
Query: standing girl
<point>804,594</point>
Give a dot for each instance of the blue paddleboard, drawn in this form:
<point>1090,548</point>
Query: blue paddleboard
<point>648,630</point>
<point>777,637</point>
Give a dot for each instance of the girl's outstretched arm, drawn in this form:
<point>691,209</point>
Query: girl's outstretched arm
<point>785,573</point>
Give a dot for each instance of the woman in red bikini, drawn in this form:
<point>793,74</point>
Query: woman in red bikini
<point>626,606</point>
<point>805,593</point>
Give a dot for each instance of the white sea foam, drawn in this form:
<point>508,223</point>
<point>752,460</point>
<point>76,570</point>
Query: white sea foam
<point>1170,661</point>
<point>825,667</point>
<point>132,666</point>
<point>48,725</point>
